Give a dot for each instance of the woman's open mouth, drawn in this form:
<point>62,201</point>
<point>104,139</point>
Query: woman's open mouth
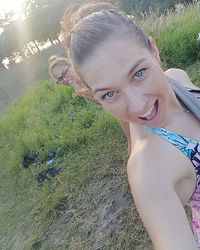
<point>151,114</point>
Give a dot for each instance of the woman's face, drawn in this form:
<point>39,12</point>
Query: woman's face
<point>128,81</point>
<point>61,73</point>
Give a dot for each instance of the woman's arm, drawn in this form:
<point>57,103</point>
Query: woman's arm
<point>158,203</point>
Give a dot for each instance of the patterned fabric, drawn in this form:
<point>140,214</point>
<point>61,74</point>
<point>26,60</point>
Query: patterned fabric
<point>191,149</point>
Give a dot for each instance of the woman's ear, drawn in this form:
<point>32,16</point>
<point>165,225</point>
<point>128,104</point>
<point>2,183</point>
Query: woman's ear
<point>154,49</point>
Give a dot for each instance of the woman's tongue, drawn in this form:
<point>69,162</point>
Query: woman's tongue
<point>152,114</point>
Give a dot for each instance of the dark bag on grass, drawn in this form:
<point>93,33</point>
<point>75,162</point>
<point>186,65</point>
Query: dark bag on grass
<point>191,102</point>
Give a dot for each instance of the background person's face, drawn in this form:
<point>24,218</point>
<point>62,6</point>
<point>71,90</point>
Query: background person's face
<point>128,81</point>
<point>57,71</point>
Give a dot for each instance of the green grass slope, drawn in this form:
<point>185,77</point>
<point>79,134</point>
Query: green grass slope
<point>88,204</point>
<point>176,35</point>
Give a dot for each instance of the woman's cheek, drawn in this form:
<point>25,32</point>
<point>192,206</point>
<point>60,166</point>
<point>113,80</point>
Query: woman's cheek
<point>107,107</point>
<point>115,110</point>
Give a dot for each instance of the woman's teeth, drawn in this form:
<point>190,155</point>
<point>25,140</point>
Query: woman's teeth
<point>151,113</point>
<point>148,113</point>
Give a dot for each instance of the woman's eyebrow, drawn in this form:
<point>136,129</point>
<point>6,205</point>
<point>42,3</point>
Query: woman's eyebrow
<point>129,74</point>
<point>102,89</point>
<point>135,66</point>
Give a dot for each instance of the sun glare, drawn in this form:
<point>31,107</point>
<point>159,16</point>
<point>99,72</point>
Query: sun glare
<point>11,5</point>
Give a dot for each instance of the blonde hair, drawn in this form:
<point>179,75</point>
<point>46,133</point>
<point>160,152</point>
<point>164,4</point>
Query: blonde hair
<point>85,27</point>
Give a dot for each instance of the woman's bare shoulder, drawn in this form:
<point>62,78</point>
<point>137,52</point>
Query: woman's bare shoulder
<point>153,169</point>
<point>155,162</point>
<point>180,76</point>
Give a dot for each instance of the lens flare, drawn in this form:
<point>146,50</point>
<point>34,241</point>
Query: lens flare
<point>10,5</point>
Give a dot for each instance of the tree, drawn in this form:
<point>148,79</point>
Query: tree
<point>41,24</point>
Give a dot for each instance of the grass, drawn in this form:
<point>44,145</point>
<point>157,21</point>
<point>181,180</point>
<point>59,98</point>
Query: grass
<point>176,36</point>
<point>88,205</point>
<point>82,206</point>
<point>194,73</point>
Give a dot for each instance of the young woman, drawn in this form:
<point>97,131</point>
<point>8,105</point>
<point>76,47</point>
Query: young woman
<point>61,71</point>
<point>121,67</point>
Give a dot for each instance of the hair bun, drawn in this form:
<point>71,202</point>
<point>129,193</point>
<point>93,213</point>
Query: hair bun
<point>77,12</point>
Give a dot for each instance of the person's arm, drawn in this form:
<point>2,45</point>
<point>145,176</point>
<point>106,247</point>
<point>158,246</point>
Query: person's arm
<point>158,204</point>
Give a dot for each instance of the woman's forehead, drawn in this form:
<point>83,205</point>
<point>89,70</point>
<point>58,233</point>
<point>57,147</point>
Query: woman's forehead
<point>112,59</point>
<point>59,68</point>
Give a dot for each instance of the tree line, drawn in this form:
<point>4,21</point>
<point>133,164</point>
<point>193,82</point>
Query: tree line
<point>41,23</point>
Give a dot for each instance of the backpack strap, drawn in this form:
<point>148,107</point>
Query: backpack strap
<point>189,100</point>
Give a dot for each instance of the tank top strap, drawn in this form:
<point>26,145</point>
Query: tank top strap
<point>184,144</point>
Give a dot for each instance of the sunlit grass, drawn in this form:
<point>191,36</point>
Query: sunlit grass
<point>176,36</point>
<point>194,73</point>
<point>42,121</point>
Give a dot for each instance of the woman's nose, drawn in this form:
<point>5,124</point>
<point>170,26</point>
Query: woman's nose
<point>136,102</point>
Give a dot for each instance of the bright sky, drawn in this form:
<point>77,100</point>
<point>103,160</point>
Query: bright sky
<point>11,5</point>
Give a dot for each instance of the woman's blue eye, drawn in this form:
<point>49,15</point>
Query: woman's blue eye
<point>109,95</point>
<point>139,73</point>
